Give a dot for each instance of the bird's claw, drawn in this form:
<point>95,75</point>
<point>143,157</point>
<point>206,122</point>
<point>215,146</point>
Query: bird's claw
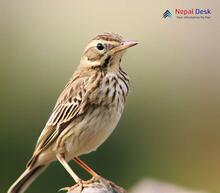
<point>81,184</point>
<point>64,189</point>
<point>88,183</point>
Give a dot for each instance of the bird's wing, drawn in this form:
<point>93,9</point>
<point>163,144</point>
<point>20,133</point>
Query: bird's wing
<point>70,104</point>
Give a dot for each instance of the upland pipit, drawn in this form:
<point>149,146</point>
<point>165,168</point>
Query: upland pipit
<point>86,112</point>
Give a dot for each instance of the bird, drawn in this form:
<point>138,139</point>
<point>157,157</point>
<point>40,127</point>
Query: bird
<point>86,112</point>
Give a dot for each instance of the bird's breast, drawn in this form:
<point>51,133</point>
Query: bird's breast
<point>102,117</point>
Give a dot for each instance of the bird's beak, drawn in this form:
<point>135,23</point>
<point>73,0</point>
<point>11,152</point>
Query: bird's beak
<point>124,45</point>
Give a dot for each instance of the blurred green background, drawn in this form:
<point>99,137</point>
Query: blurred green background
<point>170,129</point>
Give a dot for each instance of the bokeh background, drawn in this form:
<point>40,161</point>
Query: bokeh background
<point>170,129</point>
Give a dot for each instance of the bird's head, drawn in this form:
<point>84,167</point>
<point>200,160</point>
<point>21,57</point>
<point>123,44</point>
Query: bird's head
<point>105,51</point>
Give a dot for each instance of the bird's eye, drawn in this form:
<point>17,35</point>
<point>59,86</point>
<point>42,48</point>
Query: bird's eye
<point>100,46</point>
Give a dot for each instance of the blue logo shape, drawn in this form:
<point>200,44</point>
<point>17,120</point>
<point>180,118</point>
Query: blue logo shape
<point>166,14</point>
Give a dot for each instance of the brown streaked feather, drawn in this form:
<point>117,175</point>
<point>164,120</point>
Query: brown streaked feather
<point>65,111</point>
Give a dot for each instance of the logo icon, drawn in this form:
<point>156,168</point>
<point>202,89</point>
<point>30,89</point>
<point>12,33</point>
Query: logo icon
<point>166,14</point>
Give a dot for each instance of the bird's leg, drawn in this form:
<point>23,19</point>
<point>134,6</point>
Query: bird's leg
<point>62,160</point>
<point>78,180</point>
<point>95,177</point>
<point>85,167</point>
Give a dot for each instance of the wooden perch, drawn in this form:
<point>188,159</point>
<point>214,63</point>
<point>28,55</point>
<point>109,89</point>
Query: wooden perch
<point>101,186</point>
<point>144,186</point>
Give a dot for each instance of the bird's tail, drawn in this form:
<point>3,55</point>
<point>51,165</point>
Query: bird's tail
<point>26,178</point>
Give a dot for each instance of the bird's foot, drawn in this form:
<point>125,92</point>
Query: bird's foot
<point>93,182</point>
<point>81,185</point>
<point>106,182</point>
